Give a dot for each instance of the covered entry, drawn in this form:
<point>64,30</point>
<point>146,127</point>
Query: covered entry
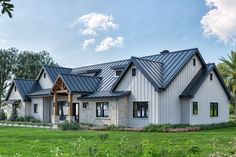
<point>66,90</point>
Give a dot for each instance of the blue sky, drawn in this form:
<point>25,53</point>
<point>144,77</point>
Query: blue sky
<point>134,28</point>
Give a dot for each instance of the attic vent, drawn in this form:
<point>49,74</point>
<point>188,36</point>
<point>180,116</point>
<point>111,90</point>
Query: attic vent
<point>164,51</point>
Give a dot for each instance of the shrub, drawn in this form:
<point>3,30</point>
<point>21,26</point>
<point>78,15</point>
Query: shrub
<point>157,128</point>
<point>69,126</point>
<point>114,127</point>
<point>14,114</point>
<point>2,115</point>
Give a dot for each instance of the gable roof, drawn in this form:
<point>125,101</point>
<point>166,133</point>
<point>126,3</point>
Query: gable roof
<point>53,72</point>
<point>151,69</point>
<point>199,78</point>
<point>172,64</point>
<point>79,83</point>
<point>24,86</point>
<point>106,94</point>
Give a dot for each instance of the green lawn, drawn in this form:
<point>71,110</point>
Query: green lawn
<point>39,142</point>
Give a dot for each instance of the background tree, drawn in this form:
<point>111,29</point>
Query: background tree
<point>29,63</point>
<point>7,7</point>
<point>7,66</point>
<point>228,71</point>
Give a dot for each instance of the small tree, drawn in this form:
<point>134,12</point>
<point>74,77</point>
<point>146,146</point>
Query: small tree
<point>2,115</point>
<point>14,113</point>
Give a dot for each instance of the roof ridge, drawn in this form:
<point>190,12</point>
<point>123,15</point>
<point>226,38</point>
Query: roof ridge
<point>25,79</point>
<point>56,66</point>
<point>78,75</point>
<point>147,60</point>
<point>139,57</point>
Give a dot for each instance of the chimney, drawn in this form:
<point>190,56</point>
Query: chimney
<point>164,51</point>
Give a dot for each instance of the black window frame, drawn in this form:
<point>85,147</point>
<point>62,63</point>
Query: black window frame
<point>118,72</point>
<point>44,75</point>
<point>35,108</point>
<point>194,61</point>
<point>214,109</point>
<point>134,71</point>
<point>211,76</point>
<point>195,108</point>
<point>141,108</point>
<point>102,113</point>
<point>85,104</point>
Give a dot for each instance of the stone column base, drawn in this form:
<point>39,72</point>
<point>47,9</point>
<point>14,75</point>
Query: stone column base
<point>70,118</point>
<point>55,119</point>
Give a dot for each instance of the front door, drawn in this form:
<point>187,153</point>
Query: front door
<point>62,114</point>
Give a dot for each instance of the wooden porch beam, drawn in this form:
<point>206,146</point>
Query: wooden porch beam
<point>56,106</point>
<point>70,97</point>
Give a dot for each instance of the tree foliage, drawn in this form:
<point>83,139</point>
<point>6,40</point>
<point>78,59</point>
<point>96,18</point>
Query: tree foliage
<point>25,64</point>
<point>29,63</point>
<point>228,71</point>
<point>7,66</point>
<point>7,7</point>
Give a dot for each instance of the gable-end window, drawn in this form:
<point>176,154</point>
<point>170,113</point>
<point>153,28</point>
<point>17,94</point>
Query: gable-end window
<point>35,108</point>
<point>15,88</point>
<point>102,109</point>
<point>194,61</point>
<point>85,104</point>
<point>133,71</point>
<point>214,109</point>
<point>195,108</point>
<point>118,72</point>
<point>211,76</point>
<point>140,109</point>
<point>44,75</point>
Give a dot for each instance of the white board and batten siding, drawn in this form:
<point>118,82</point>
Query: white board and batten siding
<point>141,90</point>
<point>169,101</point>
<point>45,83</point>
<point>210,91</point>
<point>15,95</point>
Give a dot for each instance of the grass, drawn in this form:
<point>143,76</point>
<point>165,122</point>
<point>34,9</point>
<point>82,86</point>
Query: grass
<point>40,142</point>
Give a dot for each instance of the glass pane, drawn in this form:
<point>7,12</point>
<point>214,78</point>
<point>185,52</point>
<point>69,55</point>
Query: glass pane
<point>106,113</point>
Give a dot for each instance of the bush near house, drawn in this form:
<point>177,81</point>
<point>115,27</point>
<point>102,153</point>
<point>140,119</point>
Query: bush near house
<point>69,126</point>
<point>2,115</point>
<point>186,128</point>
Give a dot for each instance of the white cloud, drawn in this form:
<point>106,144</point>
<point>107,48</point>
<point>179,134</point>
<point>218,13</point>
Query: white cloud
<point>220,21</point>
<point>94,22</point>
<point>3,43</point>
<point>87,43</point>
<point>108,43</point>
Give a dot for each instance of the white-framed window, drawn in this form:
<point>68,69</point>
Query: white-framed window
<point>140,109</point>
<point>85,104</point>
<point>102,109</point>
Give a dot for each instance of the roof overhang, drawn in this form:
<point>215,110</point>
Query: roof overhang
<point>13,101</point>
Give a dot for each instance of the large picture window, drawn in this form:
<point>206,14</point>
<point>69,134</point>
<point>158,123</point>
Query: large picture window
<point>102,109</point>
<point>214,109</point>
<point>140,109</point>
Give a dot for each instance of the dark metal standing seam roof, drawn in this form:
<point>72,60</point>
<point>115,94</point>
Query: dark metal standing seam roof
<point>41,92</point>
<point>172,64</point>
<point>53,71</point>
<point>199,78</point>
<point>106,94</point>
<point>79,83</point>
<point>24,86</point>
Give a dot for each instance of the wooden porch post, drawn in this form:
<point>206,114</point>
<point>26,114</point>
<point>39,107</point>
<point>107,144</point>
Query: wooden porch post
<point>56,106</point>
<point>70,104</point>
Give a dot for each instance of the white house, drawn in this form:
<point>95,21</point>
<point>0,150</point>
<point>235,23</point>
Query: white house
<point>170,87</point>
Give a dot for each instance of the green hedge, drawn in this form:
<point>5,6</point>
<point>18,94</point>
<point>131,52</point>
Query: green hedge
<point>165,127</point>
<point>69,126</point>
